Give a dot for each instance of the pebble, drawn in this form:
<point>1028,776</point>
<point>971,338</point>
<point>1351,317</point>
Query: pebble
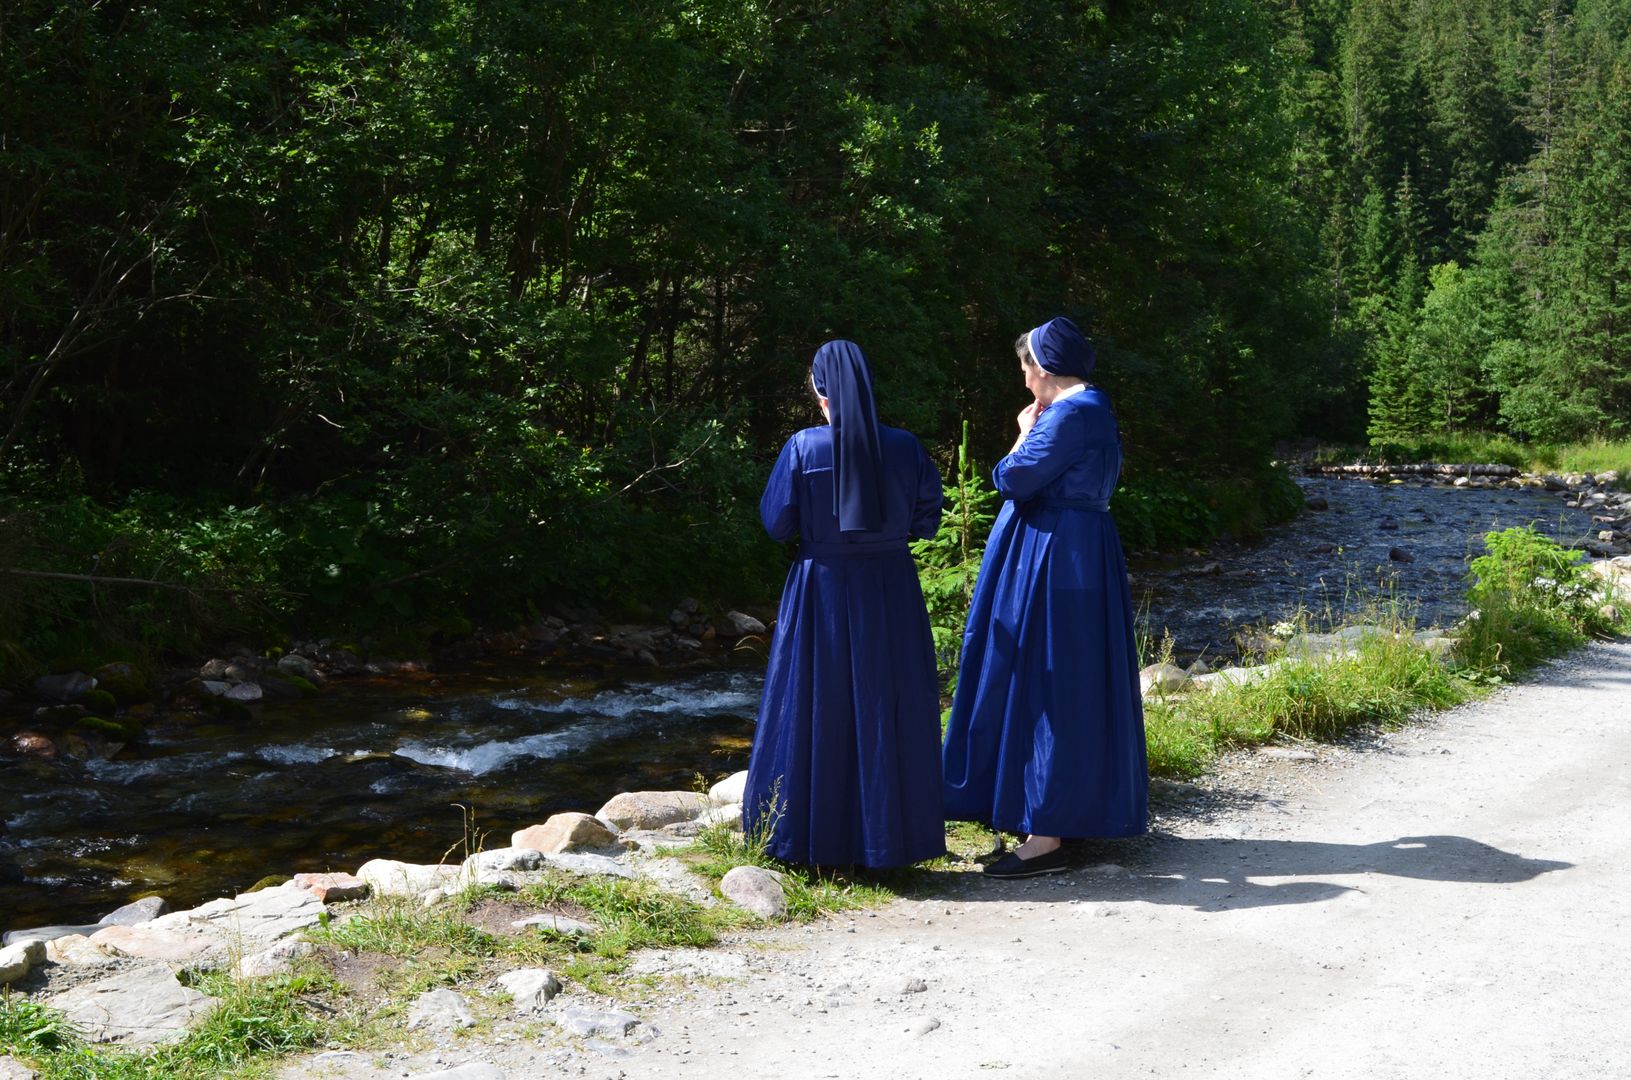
<point>440,1010</point>
<point>922,1026</point>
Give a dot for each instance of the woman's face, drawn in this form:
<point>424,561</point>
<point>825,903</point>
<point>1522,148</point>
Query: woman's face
<point>1037,381</point>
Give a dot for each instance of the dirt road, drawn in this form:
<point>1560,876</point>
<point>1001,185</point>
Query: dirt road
<point>1452,902</point>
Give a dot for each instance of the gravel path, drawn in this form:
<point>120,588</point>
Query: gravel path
<point>1447,901</point>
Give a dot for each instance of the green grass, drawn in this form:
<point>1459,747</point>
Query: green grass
<point>255,1023</point>
<point>1473,447</point>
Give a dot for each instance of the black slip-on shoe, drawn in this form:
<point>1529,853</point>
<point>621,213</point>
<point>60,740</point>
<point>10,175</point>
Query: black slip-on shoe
<point>1012,866</point>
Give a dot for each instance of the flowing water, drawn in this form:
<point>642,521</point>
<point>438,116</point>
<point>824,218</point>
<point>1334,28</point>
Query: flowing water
<point>394,768</point>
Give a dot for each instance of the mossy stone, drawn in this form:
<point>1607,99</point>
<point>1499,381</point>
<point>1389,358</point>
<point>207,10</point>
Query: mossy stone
<point>305,686</point>
<point>123,728</point>
<point>128,684</point>
<point>270,881</point>
<point>98,701</point>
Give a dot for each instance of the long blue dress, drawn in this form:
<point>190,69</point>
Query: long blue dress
<point>845,768</point>
<point>1047,725</point>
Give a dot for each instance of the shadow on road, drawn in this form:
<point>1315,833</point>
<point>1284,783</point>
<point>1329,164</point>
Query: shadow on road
<point>1222,874</point>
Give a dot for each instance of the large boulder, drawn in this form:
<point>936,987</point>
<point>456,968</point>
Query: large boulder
<point>181,948</point>
<point>565,832</point>
<point>652,809</point>
<point>729,790</point>
<point>19,959</point>
<point>143,1007</point>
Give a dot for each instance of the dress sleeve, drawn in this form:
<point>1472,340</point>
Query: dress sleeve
<point>1052,446</point>
<point>778,506</point>
<point>931,495</point>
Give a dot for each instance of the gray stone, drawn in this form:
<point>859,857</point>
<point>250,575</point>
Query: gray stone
<point>565,832</point>
<point>19,959</point>
<point>922,1026</point>
<point>729,790</point>
<point>1399,554</point>
<point>142,1007</point>
<point>12,1069</point>
<point>147,942</point>
<point>584,1022</point>
<point>474,1070</point>
<point>486,864</point>
<point>244,691</point>
<point>48,933</point>
<point>738,624</point>
<point>300,667</point>
<point>1162,679</point>
<point>651,809</point>
<point>574,862</point>
<point>277,960</point>
<point>531,988</point>
<point>551,923</point>
<point>387,877</point>
<point>250,921</point>
<point>912,985</point>
<point>440,1010</point>
<point>214,670</point>
<point>756,889</point>
<point>146,909</point>
<point>63,688</point>
<point>216,687</point>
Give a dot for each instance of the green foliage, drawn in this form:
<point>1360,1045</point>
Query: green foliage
<point>30,1029</point>
<point>1531,599</point>
<point>949,562</point>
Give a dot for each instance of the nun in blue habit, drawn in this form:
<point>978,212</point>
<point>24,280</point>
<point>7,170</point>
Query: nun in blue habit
<point>846,766</point>
<point>1046,735</point>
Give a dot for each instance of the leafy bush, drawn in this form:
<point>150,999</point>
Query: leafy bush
<point>1531,599</point>
<point>949,562</point>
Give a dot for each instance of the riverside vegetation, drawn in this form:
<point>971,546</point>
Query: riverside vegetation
<point>317,322</point>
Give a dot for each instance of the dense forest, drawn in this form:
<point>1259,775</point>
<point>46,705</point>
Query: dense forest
<point>401,313</point>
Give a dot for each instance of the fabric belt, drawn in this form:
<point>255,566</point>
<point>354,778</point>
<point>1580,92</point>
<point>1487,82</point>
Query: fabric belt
<point>810,550</point>
<point>1099,505</point>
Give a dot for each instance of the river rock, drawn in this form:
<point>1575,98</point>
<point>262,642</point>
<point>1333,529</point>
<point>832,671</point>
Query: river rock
<point>19,959</point>
<point>63,689</point>
<point>332,888</point>
<point>300,667</point>
<point>76,950</point>
<point>250,921</point>
<point>127,683</point>
<point>485,866</point>
<point>214,670</point>
<point>12,1069</point>
<point>531,988</point>
<point>756,889</point>
<point>1162,679</point>
<point>139,1008</point>
<point>1316,502</point>
<point>732,789</point>
<point>244,691</point>
<point>440,1010</point>
<point>551,923</point>
<point>146,909</point>
<point>1399,554</point>
<point>739,624</point>
<point>178,947</point>
<point>279,959</point>
<point>387,877</point>
<point>651,809</point>
<point>565,832</point>
<point>588,865</point>
<point>33,744</point>
<point>48,933</point>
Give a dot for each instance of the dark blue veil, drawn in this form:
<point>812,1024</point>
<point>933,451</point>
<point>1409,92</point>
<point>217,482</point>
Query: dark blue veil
<point>1061,348</point>
<point>842,377</point>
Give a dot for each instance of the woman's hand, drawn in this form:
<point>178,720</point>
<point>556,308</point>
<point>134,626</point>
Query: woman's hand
<point>1027,420</point>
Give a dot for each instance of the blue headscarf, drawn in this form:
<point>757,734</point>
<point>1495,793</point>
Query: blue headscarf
<point>842,377</point>
<point>1061,348</point>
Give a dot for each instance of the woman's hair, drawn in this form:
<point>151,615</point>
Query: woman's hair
<point>1022,346</point>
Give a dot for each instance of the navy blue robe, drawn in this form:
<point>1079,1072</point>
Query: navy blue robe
<point>846,759</point>
<point>1046,734</point>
